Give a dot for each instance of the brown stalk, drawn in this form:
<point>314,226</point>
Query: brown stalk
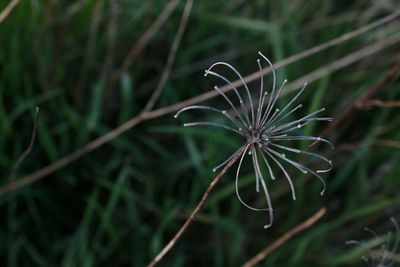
<point>7,10</point>
<point>388,143</point>
<point>380,103</point>
<point>189,220</point>
<point>284,238</point>
<point>74,8</point>
<point>104,139</point>
<point>357,104</point>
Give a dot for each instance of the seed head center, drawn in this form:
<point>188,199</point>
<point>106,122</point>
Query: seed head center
<point>260,137</point>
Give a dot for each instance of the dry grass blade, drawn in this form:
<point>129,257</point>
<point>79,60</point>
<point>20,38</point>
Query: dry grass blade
<point>354,106</point>
<point>90,45</point>
<point>340,39</point>
<point>189,220</point>
<point>7,10</point>
<point>343,62</point>
<point>95,144</point>
<point>388,143</point>
<point>28,149</point>
<point>281,240</point>
<point>171,57</point>
<point>380,103</point>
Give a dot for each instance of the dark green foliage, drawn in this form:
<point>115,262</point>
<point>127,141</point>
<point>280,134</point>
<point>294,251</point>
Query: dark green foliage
<point>119,205</point>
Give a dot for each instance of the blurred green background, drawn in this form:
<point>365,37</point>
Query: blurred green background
<point>92,65</point>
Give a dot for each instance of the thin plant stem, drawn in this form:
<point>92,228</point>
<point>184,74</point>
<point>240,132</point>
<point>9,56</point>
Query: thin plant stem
<point>343,62</point>
<point>387,143</point>
<point>94,28</point>
<point>6,11</point>
<point>12,202</point>
<point>284,238</point>
<point>380,103</point>
<point>189,220</point>
<point>171,57</point>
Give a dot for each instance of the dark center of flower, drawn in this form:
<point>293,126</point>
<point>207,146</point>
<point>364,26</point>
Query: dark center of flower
<point>259,137</point>
<point>265,138</point>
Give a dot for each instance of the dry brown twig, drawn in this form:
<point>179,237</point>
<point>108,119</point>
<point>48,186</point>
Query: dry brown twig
<point>387,143</point>
<point>342,62</point>
<point>358,103</point>
<point>284,238</point>
<point>380,103</point>
<point>7,10</point>
<point>189,220</point>
<point>104,139</point>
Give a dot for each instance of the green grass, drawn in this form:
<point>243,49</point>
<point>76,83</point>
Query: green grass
<point>120,204</point>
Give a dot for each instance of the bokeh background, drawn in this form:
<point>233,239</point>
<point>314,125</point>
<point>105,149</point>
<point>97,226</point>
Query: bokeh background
<point>91,66</point>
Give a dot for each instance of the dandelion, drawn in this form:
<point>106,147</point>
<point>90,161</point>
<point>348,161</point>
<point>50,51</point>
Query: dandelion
<point>264,128</point>
<point>383,256</point>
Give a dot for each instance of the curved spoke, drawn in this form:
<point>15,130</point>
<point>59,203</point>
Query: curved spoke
<point>301,138</point>
<point>244,83</point>
<point>271,104</point>
<point>263,122</point>
<point>237,183</point>
<point>302,124</point>
<point>230,103</point>
<point>223,112</point>
<point>289,179</point>
<point>289,124</point>
<point>287,114</point>
<point>271,173</point>
<point>298,151</point>
<point>291,102</point>
<point>397,241</point>
<point>206,123</point>
<point>255,169</point>
<point>267,197</point>
<point>262,95</point>
<point>300,167</point>
<point>273,81</point>
<point>245,111</point>
<point>226,161</point>
<point>366,248</point>
<point>384,249</point>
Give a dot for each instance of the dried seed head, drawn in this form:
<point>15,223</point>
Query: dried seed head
<point>378,251</point>
<point>264,129</point>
